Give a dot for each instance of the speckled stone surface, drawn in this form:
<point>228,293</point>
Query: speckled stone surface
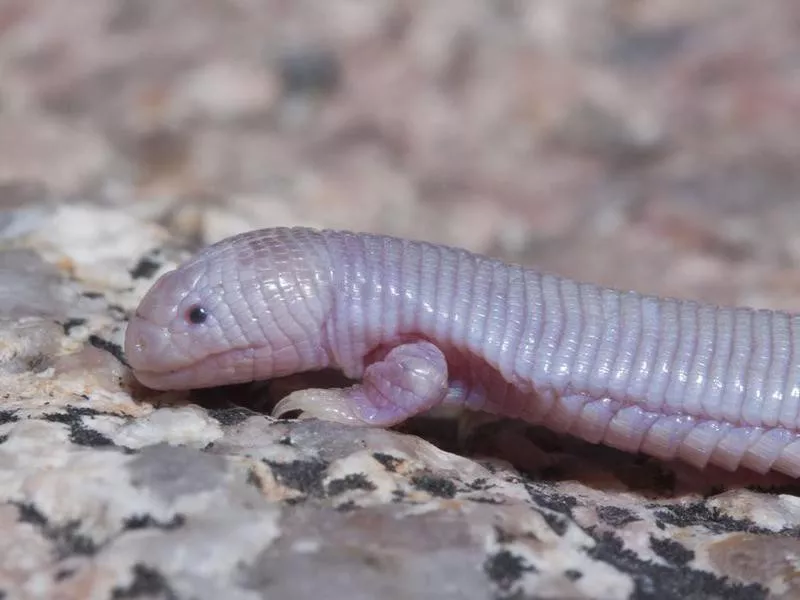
<point>641,145</point>
<point>109,490</point>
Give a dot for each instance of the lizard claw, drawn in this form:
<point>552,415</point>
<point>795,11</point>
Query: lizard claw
<point>326,404</point>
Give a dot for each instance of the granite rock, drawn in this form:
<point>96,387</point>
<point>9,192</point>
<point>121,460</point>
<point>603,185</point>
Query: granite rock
<point>110,490</point>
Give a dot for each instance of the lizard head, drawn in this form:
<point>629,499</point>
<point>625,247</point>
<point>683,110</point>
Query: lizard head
<point>249,307</point>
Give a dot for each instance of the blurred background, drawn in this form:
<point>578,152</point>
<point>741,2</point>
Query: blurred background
<point>642,144</point>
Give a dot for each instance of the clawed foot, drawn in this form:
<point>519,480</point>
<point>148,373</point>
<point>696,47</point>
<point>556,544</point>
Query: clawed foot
<point>410,379</point>
<point>336,405</point>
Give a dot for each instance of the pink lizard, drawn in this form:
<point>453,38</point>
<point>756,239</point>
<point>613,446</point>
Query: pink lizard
<point>418,325</point>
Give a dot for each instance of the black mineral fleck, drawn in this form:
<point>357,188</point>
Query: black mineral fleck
<point>505,568</point>
<point>147,583</point>
<point>353,481</point>
<point>302,475</point>
<point>437,486</point>
<point>145,268</point>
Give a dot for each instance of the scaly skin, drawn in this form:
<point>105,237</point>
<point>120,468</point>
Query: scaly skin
<point>420,324</point>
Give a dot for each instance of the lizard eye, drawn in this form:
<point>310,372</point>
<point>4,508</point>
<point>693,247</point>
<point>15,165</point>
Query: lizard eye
<point>197,314</point>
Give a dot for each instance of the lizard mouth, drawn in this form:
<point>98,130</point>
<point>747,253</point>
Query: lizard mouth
<point>237,365</point>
